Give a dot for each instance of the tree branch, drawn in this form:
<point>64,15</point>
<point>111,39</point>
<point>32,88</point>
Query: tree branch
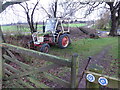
<point>46,11</point>
<point>23,8</point>
<point>32,22</point>
<point>92,8</point>
<point>5,5</point>
<point>35,7</point>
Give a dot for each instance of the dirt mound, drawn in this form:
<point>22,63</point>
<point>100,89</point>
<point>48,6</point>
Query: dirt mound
<point>81,32</point>
<point>89,30</point>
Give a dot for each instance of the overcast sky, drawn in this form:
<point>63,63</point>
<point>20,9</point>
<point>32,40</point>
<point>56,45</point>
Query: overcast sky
<point>16,13</point>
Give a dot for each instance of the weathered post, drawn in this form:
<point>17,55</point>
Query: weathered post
<point>97,69</point>
<point>74,71</point>
<point>0,61</point>
<point>0,52</point>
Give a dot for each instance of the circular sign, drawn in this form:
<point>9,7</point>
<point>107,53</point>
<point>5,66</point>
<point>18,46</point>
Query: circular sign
<point>103,81</point>
<point>90,78</point>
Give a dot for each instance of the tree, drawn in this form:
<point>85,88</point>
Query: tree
<point>114,8</point>
<point>52,12</point>
<point>70,7</point>
<point>54,8</point>
<point>63,8</point>
<point>115,17</point>
<point>30,15</point>
<point>3,6</point>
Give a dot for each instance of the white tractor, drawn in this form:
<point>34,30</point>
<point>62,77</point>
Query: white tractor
<point>54,33</point>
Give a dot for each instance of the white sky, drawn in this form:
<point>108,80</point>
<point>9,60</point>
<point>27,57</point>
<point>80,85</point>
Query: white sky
<point>10,16</point>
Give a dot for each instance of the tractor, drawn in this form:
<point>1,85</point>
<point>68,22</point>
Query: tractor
<point>54,33</point>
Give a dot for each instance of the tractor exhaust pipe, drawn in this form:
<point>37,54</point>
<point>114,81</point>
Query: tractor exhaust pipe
<point>43,26</point>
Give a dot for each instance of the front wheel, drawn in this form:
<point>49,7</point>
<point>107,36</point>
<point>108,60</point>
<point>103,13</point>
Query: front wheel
<point>63,41</point>
<point>30,44</point>
<point>45,48</point>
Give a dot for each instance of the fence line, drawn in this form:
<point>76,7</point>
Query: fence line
<point>14,75</point>
<point>36,54</point>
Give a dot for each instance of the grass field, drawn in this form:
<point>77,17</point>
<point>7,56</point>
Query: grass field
<point>87,47</point>
<point>13,28</point>
<point>92,47</point>
<point>25,28</point>
<point>76,25</point>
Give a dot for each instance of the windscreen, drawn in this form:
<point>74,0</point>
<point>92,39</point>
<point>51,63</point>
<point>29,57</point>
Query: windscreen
<point>50,25</point>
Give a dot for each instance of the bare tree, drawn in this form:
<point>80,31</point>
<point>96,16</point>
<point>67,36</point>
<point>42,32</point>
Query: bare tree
<point>114,8</point>
<point>63,8</point>
<point>52,12</point>
<point>70,7</point>
<point>54,8</point>
<point>3,6</point>
<point>30,15</point>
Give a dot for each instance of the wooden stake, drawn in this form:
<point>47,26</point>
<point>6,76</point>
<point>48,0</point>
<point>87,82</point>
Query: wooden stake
<point>74,71</point>
<point>0,61</point>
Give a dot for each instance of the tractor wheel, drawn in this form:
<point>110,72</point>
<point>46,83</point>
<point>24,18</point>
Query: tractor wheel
<point>63,41</point>
<point>45,48</point>
<point>30,44</point>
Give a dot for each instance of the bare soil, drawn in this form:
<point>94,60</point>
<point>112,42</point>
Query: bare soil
<point>76,33</point>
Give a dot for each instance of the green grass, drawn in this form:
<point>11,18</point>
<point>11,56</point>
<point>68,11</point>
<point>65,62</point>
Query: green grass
<point>25,28</point>
<point>114,50</point>
<point>91,47</point>
<point>13,28</point>
<point>9,27</point>
<point>76,25</point>
<point>86,47</point>
<point>115,63</point>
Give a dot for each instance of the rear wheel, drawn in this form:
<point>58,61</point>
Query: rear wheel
<point>63,41</point>
<point>45,48</point>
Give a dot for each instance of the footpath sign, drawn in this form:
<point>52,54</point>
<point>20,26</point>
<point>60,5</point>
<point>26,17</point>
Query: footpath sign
<point>90,78</point>
<point>103,81</point>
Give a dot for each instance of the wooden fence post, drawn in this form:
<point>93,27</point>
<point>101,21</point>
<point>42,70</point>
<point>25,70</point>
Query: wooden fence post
<point>1,40</point>
<point>0,51</point>
<point>74,71</point>
<point>97,69</point>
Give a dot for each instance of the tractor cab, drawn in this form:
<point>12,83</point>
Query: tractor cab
<point>50,25</point>
<point>54,33</point>
<point>56,25</point>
